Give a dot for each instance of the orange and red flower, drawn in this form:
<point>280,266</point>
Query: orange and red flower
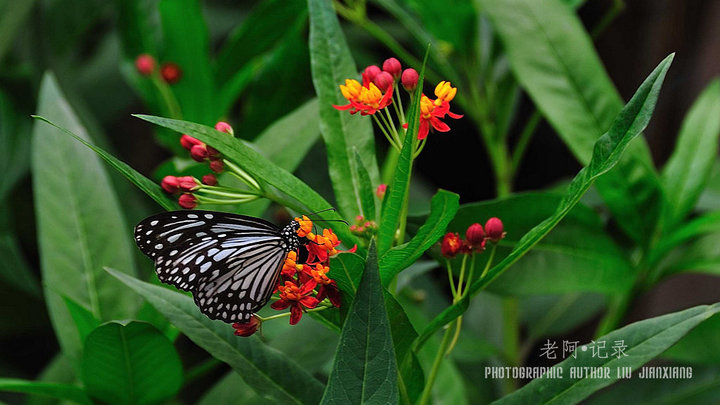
<point>432,111</point>
<point>365,98</point>
<point>297,298</point>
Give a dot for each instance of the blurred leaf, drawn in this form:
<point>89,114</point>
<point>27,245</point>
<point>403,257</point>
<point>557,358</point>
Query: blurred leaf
<point>554,59</point>
<point>710,198</point>
<point>688,169</point>
<point>703,388</point>
<point>14,140</point>
<point>644,340</point>
<point>130,364</point>
<point>231,389</point>
<point>58,370</point>
<point>80,224</point>
<point>59,391</point>
<point>699,346</point>
<point>607,151</point>
<point>554,315</point>
<point>365,189</point>
<point>452,22</point>
<point>265,369</point>
<point>84,320</point>
<point>290,191</point>
<point>698,226</point>
<point>397,194</point>
<point>14,269</point>
<point>136,28</point>
<point>152,189</point>
<point>185,38</point>
<point>331,64</point>
<point>12,17</point>
<point>577,255</point>
<point>443,207</point>
<point>364,369</point>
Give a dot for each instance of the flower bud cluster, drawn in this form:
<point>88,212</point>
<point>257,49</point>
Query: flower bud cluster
<point>169,72</point>
<point>363,227</point>
<point>475,238</point>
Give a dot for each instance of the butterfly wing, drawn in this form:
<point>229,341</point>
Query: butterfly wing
<point>229,262</point>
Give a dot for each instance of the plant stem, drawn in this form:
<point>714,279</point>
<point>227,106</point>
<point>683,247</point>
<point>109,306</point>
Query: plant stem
<point>167,96</point>
<point>617,307</point>
<point>451,279</point>
<point>427,391</point>
<point>511,337</point>
<point>201,369</point>
<point>524,139</point>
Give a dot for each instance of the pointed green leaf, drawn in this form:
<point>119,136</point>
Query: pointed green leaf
<point>130,364</point>
<point>443,207</point>
<point>606,153</point>
<point>364,370</point>
<point>265,369</point>
<point>331,64</point>
<point>84,320</point>
<point>365,189</point>
<point>688,169</point>
<point>644,340</point>
<point>80,223</point>
<point>60,391</point>
<point>554,59</point>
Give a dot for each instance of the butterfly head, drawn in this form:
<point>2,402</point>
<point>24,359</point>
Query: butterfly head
<point>298,232</point>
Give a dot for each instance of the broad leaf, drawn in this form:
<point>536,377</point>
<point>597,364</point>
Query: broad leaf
<point>364,370</point>
<point>688,169</point>
<point>554,59</point>
<point>265,369</point>
<point>443,207</point>
<point>80,224</point>
<point>12,17</point>
<point>644,340</point>
<point>331,64</point>
<point>606,153</point>
<point>59,391</point>
<point>700,346</point>
<point>130,364</point>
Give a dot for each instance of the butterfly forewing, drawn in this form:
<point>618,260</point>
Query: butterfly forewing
<point>229,262</point>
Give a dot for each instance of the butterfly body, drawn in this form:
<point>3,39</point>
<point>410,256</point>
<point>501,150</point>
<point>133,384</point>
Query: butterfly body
<point>230,263</point>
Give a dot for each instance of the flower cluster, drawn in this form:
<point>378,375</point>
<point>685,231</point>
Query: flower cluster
<point>379,89</point>
<point>363,227</point>
<point>169,72</point>
<point>475,238</point>
<point>192,191</point>
<point>303,285</point>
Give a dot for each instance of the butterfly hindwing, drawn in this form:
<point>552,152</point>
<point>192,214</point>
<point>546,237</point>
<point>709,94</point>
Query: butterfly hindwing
<point>229,262</point>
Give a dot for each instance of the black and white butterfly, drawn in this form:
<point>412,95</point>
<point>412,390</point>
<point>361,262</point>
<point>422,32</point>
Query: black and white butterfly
<point>229,262</point>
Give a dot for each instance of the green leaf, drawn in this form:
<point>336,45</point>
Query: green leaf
<point>453,23</point>
<point>84,320</point>
<point>554,59</point>
<point>365,189</point>
<point>130,364</point>
<point>14,269</point>
<point>364,370</point>
<point>577,255</point>
<point>688,169</point>
<point>698,226</point>
<point>60,391</point>
<point>644,340</point>
<point>396,197</point>
<point>265,369</point>
<point>152,189</point>
<point>555,315</point>
<point>700,346</point>
<point>12,17</point>
<point>606,153</point>
<point>185,40</point>
<point>14,140</point>
<point>231,389</point>
<point>80,224</point>
<point>331,64</point>
<point>443,207</point>
<point>290,191</point>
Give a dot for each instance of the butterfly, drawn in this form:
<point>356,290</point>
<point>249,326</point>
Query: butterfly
<point>230,263</point>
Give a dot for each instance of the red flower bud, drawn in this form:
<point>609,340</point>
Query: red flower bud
<point>170,72</point>
<point>409,79</point>
<point>380,191</point>
<point>223,126</point>
<point>384,81</point>
<point>145,64</point>
<point>216,165</point>
<point>188,141</point>
<point>248,328</point>
<point>494,229</point>
<point>475,236</point>
<point>450,245</point>
<point>212,152</point>
<point>188,183</point>
<point>210,180</point>
<point>393,66</point>
<point>199,153</point>
<point>369,74</point>
<point>187,201</point>
<point>171,184</point>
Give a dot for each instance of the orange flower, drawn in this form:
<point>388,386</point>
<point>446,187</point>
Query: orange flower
<point>297,298</point>
<point>366,98</point>
<point>328,287</point>
<point>305,227</point>
<point>290,267</point>
<point>431,111</point>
